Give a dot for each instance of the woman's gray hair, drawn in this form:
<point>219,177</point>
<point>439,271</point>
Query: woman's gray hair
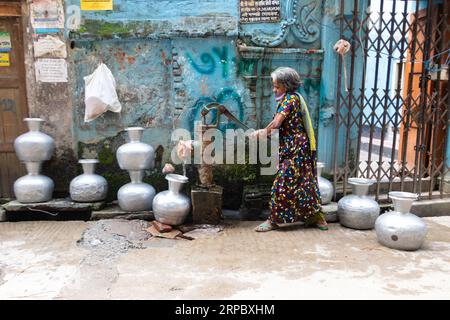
<point>287,77</point>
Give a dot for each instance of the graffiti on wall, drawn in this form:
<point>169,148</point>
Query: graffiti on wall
<point>210,61</point>
<point>229,97</point>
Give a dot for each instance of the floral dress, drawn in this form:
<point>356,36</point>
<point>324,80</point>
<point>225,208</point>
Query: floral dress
<point>295,193</point>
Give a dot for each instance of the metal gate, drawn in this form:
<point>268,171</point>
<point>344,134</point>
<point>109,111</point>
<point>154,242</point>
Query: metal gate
<point>393,97</point>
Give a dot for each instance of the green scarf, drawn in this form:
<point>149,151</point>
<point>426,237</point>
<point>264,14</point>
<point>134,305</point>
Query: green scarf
<point>307,123</point>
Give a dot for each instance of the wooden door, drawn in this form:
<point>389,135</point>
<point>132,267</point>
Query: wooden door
<point>13,102</point>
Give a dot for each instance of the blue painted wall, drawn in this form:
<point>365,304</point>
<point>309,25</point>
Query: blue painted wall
<point>126,10</point>
<point>171,57</point>
<point>209,73</point>
<point>144,84</point>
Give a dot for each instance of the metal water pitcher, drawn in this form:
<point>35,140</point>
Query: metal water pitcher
<point>33,187</point>
<point>400,229</point>
<point>34,145</point>
<point>171,206</point>
<point>33,148</point>
<point>358,210</point>
<point>88,187</point>
<point>325,187</point>
<point>136,195</point>
<point>135,155</point>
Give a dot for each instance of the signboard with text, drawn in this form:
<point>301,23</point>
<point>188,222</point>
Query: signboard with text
<point>88,5</point>
<point>5,42</point>
<point>4,60</point>
<point>255,11</point>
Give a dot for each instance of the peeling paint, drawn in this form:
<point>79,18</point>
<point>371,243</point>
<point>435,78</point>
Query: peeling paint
<point>168,58</point>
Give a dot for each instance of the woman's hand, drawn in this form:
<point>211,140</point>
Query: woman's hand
<point>258,133</point>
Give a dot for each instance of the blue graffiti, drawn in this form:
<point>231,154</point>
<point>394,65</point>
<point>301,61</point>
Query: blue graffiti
<point>207,59</point>
<point>209,62</point>
<point>225,95</point>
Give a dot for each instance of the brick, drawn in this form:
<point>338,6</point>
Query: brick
<point>161,227</point>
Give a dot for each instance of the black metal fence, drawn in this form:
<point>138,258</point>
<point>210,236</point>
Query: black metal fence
<point>393,97</point>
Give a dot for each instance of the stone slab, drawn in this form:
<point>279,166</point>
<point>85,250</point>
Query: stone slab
<point>431,208</point>
<point>2,215</point>
<point>53,205</point>
<point>330,211</point>
<point>114,212</point>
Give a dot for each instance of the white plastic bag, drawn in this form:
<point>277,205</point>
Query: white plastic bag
<point>100,93</point>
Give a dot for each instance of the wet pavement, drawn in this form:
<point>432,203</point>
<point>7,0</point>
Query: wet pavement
<point>120,259</point>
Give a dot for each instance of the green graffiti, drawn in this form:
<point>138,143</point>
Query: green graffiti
<point>223,58</point>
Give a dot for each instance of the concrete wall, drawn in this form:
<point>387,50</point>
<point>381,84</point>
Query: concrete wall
<point>168,59</point>
<point>52,102</point>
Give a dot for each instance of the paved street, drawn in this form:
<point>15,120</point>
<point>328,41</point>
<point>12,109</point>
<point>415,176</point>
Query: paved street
<point>118,259</point>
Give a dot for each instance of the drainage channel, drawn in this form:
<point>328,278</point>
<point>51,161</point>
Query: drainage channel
<point>36,214</point>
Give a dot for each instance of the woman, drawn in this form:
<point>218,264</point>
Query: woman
<point>295,193</point>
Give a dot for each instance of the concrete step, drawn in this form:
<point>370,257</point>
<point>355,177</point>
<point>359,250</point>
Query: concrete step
<point>55,209</point>
<point>431,208</point>
<point>65,204</point>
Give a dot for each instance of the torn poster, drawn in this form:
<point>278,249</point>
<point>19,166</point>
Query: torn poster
<point>47,16</point>
<point>4,60</point>
<point>96,4</point>
<point>5,42</point>
<point>50,46</point>
<point>51,70</point>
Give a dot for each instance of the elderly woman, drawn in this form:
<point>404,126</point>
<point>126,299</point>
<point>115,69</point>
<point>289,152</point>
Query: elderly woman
<point>295,193</point>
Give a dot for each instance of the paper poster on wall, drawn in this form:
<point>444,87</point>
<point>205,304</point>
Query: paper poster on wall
<point>47,16</point>
<point>5,42</point>
<point>96,4</point>
<point>50,46</point>
<point>4,59</point>
<point>51,70</point>
<point>257,11</point>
